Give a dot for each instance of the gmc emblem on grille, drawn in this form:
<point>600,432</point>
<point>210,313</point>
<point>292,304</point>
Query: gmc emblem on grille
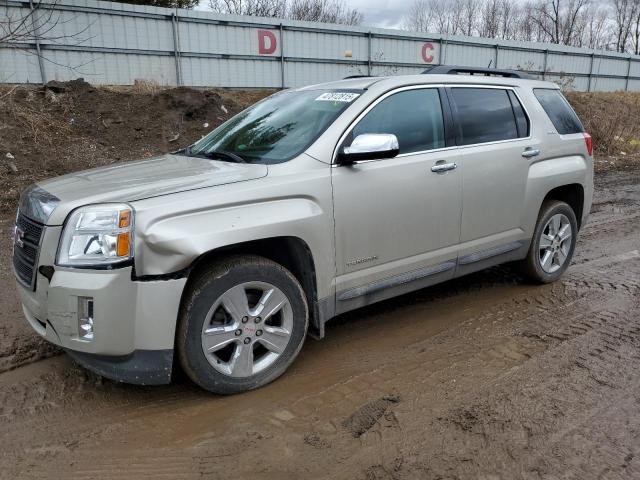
<point>18,237</point>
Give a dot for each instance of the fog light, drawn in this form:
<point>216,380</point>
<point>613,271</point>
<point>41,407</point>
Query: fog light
<point>85,318</point>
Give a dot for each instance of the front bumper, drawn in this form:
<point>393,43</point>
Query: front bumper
<point>134,321</point>
<point>142,367</point>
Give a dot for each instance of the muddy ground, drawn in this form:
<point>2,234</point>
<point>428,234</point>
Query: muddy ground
<point>482,377</point>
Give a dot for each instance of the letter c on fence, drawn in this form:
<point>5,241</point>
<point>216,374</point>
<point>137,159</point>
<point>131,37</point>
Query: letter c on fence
<point>267,42</point>
<point>425,55</point>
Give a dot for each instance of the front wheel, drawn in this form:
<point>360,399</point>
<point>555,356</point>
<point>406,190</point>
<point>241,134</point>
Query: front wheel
<point>553,244</point>
<point>243,322</point>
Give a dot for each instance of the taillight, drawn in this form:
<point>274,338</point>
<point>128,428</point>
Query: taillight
<point>589,143</point>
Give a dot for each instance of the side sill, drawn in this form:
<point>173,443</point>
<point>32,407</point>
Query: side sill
<point>490,252</point>
<point>396,280</point>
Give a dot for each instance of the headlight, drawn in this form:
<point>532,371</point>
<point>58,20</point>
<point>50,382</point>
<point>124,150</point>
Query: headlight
<point>97,235</point>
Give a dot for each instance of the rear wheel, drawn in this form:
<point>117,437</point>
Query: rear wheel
<point>243,322</point>
<point>553,243</point>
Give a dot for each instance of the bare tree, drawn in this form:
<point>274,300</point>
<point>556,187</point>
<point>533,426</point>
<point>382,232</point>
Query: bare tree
<point>560,20</point>
<point>490,19</point>
<point>635,35</point>
<point>326,11</point>
<point>597,31</point>
<point>26,25</point>
<point>623,13</point>
<point>256,8</point>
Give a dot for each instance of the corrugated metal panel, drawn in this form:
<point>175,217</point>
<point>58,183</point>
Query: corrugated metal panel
<point>470,56</point>
<point>568,63</point>
<point>405,51</point>
<point>299,74</point>
<point>117,43</point>
<point>387,70</point>
<point>225,72</point>
<point>521,60</point>
<point>325,46</point>
<point>19,66</point>
<point>224,39</point>
<point>607,84</point>
<point>608,66</point>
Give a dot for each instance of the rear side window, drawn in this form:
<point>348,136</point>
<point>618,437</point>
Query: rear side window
<point>413,116</point>
<point>559,111</point>
<point>488,115</point>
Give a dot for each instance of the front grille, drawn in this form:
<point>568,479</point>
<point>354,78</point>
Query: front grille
<point>26,243</point>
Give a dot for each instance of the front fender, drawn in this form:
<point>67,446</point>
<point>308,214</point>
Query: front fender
<point>173,243</point>
<point>295,200</point>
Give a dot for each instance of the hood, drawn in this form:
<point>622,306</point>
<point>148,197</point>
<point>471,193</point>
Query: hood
<point>136,180</point>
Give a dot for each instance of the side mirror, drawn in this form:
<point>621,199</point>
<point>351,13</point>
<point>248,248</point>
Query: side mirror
<point>369,146</point>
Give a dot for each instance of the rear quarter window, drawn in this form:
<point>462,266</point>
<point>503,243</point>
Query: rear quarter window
<point>558,110</point>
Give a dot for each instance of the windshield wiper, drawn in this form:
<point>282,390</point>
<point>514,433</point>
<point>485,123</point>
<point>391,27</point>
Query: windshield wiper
<point>224,154</point>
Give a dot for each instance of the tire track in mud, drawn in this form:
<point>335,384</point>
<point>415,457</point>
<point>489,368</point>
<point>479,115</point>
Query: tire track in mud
<point>510,411</point>
<point>338,401</point>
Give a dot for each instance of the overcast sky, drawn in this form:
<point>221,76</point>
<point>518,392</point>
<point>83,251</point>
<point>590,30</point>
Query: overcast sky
<point>381,13</point>
<point>377,13</point>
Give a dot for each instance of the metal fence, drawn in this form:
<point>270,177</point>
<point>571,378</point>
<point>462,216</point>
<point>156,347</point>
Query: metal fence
<point>114,43</point>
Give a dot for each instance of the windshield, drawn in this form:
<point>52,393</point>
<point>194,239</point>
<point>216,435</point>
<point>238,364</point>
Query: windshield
<point>277,128</point>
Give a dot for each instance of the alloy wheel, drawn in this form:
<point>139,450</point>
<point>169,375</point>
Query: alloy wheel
<point>555,243</point>
<point>247,328</point>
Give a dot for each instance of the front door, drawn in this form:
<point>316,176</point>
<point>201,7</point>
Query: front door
<point>397,221</point>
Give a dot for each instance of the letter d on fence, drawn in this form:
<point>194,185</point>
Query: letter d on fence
<point>267,42</point>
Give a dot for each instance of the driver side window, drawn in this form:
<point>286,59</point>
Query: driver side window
<point>413,116</point>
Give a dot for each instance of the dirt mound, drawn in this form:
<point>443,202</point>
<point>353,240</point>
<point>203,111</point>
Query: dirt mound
<point>613,120</point>
<point>69,126</point>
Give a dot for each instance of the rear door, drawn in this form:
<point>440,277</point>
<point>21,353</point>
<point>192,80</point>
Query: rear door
<point>493,134</point>
<point>397,220</point>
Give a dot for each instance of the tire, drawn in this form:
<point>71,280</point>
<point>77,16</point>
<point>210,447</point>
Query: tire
<point>213,313</point>
<point>533,267</point>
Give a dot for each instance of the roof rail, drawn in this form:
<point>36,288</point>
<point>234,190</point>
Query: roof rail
<point>356,76</point>
<point>489,72</point>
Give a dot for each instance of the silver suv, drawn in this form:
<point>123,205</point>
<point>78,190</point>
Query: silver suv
<point>311,203</point>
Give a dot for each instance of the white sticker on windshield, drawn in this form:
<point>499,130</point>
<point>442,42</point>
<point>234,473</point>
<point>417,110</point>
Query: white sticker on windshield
<point>346,97</point>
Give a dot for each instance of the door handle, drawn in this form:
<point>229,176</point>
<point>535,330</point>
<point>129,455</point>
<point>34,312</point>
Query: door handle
<point>444,167</point>
<point>530,152</point>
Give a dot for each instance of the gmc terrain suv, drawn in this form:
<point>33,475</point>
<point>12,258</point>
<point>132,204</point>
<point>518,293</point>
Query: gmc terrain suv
<point>223,256</point>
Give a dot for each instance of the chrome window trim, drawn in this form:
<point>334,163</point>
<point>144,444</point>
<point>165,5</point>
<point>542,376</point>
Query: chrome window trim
<point>353,124</point>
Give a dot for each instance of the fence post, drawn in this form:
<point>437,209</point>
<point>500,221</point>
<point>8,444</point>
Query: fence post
<point>282,83</point>
<point>626,83</point>
<point>544,67</point>
<point>590,72</point>
<point>34,26</point>
<point>176,46</point>
<point>369,53</point>
<point>443,54</point>
<point>497,54</point>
